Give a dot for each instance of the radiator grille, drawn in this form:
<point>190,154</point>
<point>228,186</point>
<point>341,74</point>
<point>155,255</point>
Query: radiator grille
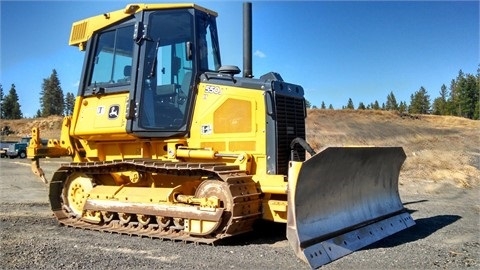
<point>290,120</point>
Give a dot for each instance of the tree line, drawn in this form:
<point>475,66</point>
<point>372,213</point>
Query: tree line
<point>461,98</point>
<point>52,100</point>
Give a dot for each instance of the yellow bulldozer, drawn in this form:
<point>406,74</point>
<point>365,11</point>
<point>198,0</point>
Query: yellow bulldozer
<point>167,142</point>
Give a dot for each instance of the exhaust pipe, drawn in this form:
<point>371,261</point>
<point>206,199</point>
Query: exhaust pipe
<point>247,40</point>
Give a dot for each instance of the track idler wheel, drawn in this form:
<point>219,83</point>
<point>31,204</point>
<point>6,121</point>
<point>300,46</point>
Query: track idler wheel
<point>75,193</point>
<point>220,190</point>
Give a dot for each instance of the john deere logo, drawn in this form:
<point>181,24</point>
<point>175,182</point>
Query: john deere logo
<point>113,111</point>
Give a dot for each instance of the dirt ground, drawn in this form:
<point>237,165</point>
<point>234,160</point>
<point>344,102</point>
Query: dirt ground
<point>446,236</point>
<point>439,186</point>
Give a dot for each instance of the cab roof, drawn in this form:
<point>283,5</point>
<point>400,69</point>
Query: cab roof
<point>82,30</point>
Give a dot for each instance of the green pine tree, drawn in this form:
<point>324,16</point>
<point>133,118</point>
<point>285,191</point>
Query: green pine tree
<point>391,102</point>
<point>464,96</point>
<point>308,104</point>
<point>361,106</point>
<point>51,96</point>
<point>468,95</point>
<point>10,105</point>
<point>402,107</point>
<point>452,101</point>
<point>419,102</point>
<point>2,115</point>
<point>439,106</point>
<point>350,104</point>
<point>323,107</point>
<point>69,103</point>
<point>476,114</point>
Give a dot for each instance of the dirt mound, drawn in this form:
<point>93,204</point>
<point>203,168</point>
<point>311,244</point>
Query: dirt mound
<point>49,127</point>
<point>440,149</point>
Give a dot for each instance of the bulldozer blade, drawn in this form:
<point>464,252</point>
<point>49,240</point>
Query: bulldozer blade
<point>343,199</point>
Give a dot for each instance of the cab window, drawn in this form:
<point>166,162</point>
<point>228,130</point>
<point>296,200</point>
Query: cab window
<point>113,58</point>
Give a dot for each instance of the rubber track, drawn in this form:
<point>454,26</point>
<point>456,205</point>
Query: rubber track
<point>239,182</point>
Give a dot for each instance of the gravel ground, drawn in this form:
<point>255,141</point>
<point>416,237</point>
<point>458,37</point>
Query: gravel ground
<point>446,236</point>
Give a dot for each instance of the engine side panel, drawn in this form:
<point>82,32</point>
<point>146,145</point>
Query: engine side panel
<point>230,120</point>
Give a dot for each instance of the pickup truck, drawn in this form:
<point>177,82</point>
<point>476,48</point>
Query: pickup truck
<point>4,145</point>
<point>19,149</point>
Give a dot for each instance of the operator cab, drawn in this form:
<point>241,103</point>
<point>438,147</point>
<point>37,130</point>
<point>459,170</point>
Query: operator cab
<point>157,56</point>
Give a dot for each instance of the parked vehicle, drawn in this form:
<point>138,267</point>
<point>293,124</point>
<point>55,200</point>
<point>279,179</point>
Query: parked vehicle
<point>4,145</point>
<point>19,149</point>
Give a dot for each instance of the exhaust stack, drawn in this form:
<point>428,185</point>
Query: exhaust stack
<point>247,40</point>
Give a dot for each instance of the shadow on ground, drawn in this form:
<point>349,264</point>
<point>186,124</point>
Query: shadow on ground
<point>423,228</point>
<point>269,233</point>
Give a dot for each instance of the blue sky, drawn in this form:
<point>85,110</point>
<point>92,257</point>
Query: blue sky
<point>336,50</point>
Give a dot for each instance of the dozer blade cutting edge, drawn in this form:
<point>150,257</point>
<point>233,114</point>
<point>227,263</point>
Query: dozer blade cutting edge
<point>343,199</point>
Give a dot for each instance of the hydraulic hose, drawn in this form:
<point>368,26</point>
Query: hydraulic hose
<point>303,144</point>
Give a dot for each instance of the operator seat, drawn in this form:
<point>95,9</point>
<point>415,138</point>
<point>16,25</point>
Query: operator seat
<point>127,73</point>
<point>186,82</point>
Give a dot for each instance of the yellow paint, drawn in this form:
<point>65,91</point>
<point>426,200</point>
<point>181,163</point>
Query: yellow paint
<point>229,120</point>
<point>104,115</point>
<point>275,210</point>
<point>83,30</point>
<point>233,116</point>
<point>200,227</point>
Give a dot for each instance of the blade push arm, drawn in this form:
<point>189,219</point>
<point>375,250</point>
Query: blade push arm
<point>54,148</point>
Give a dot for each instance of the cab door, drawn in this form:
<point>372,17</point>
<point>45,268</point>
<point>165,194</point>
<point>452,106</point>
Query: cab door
<point>107,81</point>
<point>164,90</point>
